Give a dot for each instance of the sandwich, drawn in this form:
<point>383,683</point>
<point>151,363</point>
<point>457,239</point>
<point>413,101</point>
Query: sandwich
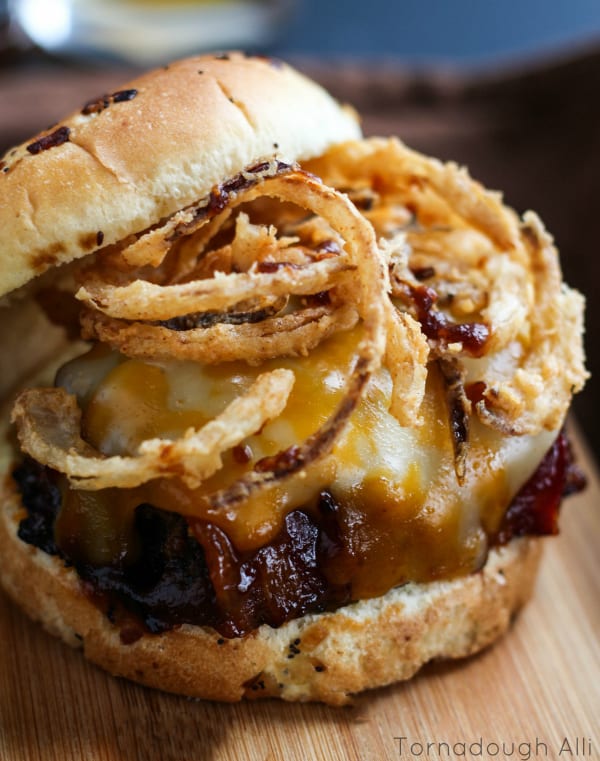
<point>285,405</point>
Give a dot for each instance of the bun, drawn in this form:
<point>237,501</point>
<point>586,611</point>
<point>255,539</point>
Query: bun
<point>152,148</point>
<point>324,657</point>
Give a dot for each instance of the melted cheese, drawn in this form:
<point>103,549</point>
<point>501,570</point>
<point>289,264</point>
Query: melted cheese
<point>403,514</point>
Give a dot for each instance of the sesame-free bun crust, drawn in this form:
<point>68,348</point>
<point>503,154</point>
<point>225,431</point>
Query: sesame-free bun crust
<point>325,657</point>
<point>190,126</point>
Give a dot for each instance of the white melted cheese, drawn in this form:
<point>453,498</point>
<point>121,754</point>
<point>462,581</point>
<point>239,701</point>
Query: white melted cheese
<point>379,467</point>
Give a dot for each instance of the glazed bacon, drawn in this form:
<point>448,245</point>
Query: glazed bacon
<point>191,573</point>
<point>534,511</point>
<point>436,325</point>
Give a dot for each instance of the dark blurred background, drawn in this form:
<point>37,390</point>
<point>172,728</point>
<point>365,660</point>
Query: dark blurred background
<point>509,88</point>
<point>459,31</point>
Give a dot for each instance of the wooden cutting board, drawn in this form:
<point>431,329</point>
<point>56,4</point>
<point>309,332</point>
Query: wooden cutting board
<point>538,688</point>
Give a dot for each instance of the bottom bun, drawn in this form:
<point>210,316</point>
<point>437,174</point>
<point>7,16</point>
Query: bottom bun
<point>325,657</point>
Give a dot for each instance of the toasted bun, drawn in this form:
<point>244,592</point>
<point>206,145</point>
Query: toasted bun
<point>324,657</point>
<point>130,163</point>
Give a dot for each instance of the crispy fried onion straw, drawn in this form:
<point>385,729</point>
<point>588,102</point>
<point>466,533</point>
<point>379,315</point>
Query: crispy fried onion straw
<point>293,334</point>
<point>152,301</point>
<point>142,302</point>
<point>197,455</point>
<point>472,289</point>
<point>551,367</point>
<point>406,358</point>
<point>484,271</point>
<point>49,424</point>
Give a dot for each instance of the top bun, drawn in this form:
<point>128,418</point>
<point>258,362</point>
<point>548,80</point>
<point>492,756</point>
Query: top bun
<point>135,156</point>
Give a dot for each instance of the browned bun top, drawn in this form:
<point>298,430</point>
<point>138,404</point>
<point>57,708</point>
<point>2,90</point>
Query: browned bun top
<point>136,155</point>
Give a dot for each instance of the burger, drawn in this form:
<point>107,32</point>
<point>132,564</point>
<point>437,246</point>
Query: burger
<point>285,405</point>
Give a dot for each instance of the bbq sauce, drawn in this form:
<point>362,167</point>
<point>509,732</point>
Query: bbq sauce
<point>438,327</point>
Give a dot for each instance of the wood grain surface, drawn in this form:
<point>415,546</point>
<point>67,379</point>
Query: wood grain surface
<point>537,688</point>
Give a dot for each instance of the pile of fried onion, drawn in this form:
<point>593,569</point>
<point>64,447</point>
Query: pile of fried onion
<point>278,258</point>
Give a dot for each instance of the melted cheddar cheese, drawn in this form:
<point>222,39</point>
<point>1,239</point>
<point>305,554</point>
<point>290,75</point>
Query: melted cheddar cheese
<point>403,514</point>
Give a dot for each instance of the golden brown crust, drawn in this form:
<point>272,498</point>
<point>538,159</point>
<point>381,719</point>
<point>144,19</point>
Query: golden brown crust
<point>135,160</point>
<point>324,657</point>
